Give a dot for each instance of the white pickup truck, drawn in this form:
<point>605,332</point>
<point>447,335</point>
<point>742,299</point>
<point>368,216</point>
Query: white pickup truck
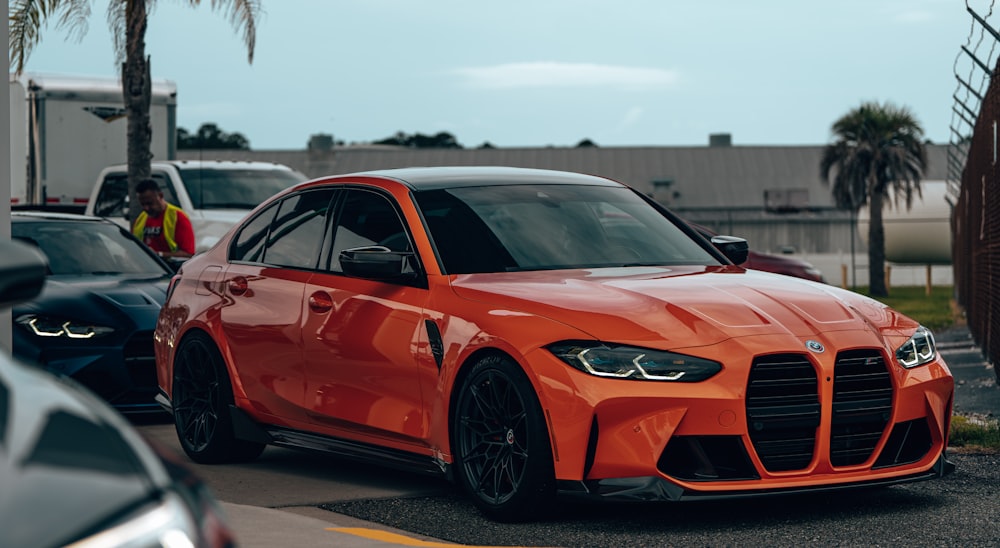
<point>215,194</point>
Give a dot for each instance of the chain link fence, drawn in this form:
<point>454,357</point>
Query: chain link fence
<point>976,227</point>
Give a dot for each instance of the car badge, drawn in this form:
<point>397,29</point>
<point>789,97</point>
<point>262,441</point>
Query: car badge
<point>815,346</point>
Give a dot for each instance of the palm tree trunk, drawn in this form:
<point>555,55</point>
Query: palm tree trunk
<point>876,248</point>
<point>136,91</point>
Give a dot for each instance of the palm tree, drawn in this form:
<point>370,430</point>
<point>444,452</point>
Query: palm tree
<point>127,21</point>
<point>877,158</point>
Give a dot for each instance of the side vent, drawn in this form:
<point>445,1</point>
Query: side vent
<point>437,344</point>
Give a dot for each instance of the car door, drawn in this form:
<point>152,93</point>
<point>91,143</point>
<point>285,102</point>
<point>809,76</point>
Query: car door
<point>361,336</point>
<point>270,260</point>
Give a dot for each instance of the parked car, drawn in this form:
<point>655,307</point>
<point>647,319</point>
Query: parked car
<point>74,471</point>
<point>779,264</point>
<point>534,333</point>
<point>94,320</point>
<point>215,194</point>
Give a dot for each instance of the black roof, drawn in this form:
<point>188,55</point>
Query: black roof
<point>438,177</point>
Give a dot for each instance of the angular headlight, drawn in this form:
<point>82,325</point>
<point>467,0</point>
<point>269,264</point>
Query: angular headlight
<point>49,326</point>
<point>920,349</point>
<point>630,362</point>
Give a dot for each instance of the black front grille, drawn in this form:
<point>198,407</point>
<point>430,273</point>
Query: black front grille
<point>862,406</point>
<point>140,359</point>
<point>707,458</point>
<point>783,411</point>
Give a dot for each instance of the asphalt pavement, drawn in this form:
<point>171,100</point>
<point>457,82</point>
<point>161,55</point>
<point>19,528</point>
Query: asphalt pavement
<point>977,394</point>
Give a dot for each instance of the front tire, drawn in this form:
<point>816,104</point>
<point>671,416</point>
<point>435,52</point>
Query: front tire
<point>202,394</point>
<point>502,450</point>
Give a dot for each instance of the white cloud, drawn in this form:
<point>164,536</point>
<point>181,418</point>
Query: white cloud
<point>567,75</point>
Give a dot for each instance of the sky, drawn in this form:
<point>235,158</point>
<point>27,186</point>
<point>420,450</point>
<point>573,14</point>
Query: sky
<point>535,73</point>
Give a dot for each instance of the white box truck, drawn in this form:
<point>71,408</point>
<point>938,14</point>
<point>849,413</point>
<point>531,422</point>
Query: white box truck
<point>65,129</point>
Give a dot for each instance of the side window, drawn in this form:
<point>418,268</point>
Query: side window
<point>248,245</point>
<point>367,219</point>
<point>113,198</point>
<point>297,231</point>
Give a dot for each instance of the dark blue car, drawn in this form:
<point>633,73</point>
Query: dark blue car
<point>95,317</point>
<point>75,472</point>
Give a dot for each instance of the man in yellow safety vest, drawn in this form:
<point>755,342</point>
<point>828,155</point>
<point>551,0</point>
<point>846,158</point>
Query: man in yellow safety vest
<point>162,226</point>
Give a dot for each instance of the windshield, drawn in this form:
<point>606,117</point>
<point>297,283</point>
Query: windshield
<point>544,227</point>
<point>87,248</point>
<point>235,188</point>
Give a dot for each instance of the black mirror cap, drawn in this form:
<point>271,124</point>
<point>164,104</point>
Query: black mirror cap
<point>735,249</point>
<point>23,272</point>
<point>376,263</point>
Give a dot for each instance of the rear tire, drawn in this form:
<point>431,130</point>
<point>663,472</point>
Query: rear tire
<point>202,394</point>
<point>501,445</point>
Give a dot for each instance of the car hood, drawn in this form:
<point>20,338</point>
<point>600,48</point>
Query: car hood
<point>681,307</point>
<point>67,461</point>
<point>102,299</point>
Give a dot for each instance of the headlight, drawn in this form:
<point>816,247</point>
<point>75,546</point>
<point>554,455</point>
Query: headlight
<point>49,326</point>
<point>629,362</point>
<point>166,525</point>
<point>920,349</point>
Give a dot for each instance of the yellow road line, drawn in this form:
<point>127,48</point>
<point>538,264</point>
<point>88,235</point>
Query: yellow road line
<point>393,538</point>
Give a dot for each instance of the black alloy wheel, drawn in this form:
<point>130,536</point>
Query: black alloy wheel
<point>201,398</point>
<point>502,450</point>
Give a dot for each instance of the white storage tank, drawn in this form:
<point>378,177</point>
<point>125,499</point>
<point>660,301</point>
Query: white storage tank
<point>920,235</point>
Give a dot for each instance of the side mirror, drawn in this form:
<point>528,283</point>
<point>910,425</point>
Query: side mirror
<point>377,262</point>
<point>735,249</point>
<point>22,274</point>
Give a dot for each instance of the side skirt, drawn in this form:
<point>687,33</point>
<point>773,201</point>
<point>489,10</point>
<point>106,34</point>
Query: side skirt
<point>246,428</point>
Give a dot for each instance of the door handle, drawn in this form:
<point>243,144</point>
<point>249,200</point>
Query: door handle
<point>320,302</point>
<point>238,286</point>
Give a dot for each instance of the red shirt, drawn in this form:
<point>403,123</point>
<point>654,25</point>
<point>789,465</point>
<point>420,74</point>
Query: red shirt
<point>183,234</point>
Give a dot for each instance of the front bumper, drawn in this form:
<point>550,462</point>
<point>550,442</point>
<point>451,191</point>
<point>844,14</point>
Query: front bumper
<point>825,421</point>
<point>654,488</point>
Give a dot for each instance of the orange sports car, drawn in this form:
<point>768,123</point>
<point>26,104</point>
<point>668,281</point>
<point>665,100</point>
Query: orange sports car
<point>532,334</point>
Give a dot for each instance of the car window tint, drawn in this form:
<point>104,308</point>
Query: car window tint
<point>248,245</point>
<point>367,219</point>
<point>297,231</point>
<point>539,227</point>
<point>85,248</point>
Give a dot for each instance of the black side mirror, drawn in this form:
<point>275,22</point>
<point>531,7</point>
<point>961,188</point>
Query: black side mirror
<point>735,249</point>
<point>377,262</point>
<point>23,272</point>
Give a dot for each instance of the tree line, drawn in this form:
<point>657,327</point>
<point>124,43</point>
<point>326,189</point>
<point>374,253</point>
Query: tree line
<point>210,136</point>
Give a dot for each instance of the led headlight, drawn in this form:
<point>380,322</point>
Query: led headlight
<point>920,349</point>
<point>166,524</point>
<point>629,362</point>
<point>49,326</point>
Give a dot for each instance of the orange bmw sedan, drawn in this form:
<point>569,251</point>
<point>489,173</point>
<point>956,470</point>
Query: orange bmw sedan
<point>533,334</point>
